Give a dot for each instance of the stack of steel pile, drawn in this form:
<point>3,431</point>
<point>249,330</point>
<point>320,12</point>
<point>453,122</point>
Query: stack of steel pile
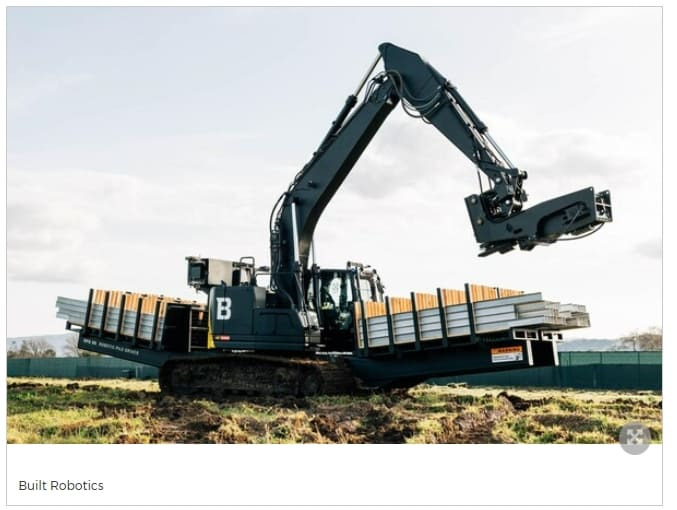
<point>143,315</point>
<point>494,311</point>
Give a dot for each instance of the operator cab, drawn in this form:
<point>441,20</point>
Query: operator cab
<point>332,293</point>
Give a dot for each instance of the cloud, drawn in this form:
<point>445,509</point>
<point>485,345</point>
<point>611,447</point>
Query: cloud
<point>43,226</point>
<point>576,154</point>
<point>21,96</point>
<point>578,26</point>
<point>407,155</point>
<point>54,266</point>
<point>72,225</point>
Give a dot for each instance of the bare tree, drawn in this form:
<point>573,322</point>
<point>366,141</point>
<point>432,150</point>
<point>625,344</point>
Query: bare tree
<point>649,340</point>
<point>13,349</point>
<point>37,347</point>
<point>71,349</point>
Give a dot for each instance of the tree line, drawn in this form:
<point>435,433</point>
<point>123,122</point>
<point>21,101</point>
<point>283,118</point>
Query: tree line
<point>649,340</point>
<point>39,347</point>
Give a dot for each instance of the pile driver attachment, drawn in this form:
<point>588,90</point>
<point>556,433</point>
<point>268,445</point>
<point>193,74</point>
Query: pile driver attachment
<point>577,214</point>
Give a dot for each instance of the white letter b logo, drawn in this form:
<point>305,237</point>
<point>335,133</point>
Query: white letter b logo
<point>223,308</point>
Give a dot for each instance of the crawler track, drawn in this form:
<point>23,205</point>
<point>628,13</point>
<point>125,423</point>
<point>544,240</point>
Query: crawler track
<point>255,374</point>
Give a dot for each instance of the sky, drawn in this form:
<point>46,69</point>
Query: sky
<point>139,136</point>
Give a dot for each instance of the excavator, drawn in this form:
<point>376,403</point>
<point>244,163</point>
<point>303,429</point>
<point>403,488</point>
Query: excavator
<point>309,330</point>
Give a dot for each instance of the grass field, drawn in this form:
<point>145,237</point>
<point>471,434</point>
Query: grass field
<point>129,411</point>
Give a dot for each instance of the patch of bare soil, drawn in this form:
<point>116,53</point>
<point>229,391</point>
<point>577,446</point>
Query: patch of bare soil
<point>521,404</point>
<point>182,421</point>
<point>393,419</point>
<point>476,426</point>
<point>24,385</point>
<point>383,425</point>
<point>570,422</point>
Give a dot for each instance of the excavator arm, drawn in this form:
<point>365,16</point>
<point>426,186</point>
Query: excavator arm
<point>500,222</point>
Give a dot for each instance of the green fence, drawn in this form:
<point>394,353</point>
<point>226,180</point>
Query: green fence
<point>611,358</point>
<point>581,370</point>
<point>79,368</point>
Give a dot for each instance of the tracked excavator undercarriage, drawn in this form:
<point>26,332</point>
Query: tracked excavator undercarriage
<point>256,374</point>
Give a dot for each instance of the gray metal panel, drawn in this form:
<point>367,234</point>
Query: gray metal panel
<point>523,298</point>
<point>218,271</point>
<point>493,316</point>
<point>74,311</point>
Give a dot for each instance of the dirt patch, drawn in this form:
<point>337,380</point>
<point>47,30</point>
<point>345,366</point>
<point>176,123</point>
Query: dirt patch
<point>383,425</point>
<point>336,429</point>
<point>234,430</point>
<point>183,421</point>
<point>521,404</point>
<point>638,403</point>
<point>24,386</point>
<point>114,410</point>
<point>477,426</point>
<point>571,422</point>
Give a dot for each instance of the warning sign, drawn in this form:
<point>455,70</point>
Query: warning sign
<point>504,354</point>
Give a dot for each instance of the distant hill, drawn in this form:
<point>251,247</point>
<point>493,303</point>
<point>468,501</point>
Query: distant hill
<point>58,342</point>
